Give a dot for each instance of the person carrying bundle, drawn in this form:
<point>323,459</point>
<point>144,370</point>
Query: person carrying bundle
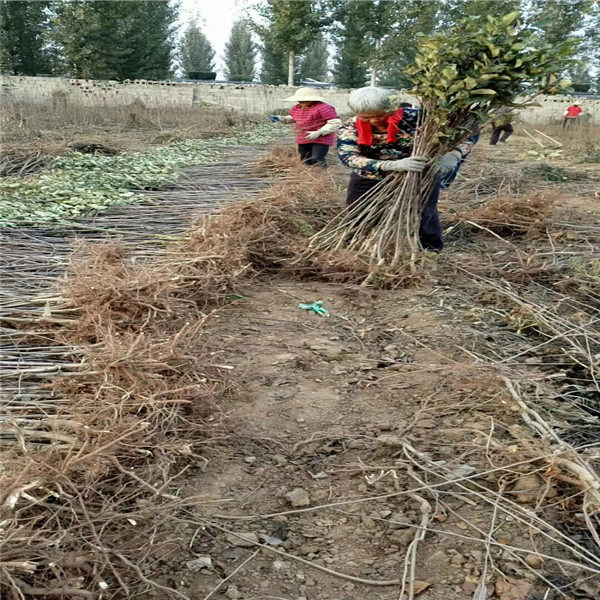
<point>379,141</point>
<point>316,124</point>
<point>502,127</point>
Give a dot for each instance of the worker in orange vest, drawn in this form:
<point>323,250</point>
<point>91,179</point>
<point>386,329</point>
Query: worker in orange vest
<point>572,114</point>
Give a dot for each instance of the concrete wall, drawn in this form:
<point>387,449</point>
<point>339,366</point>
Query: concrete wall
<point>257,99</point>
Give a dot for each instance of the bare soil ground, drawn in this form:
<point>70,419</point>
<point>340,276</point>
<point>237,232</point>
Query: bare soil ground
<point>400,439</point>
<point>344,435</point>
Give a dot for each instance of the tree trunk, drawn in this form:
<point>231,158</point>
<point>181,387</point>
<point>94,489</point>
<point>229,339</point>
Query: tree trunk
<point>374,64</point>
<point>291,68</point>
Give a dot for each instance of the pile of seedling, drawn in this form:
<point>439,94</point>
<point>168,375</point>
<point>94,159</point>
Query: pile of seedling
<point>460,78</point>
<point>92,470</point>
<point>80,184</point>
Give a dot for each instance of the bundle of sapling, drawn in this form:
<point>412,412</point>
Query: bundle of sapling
<point>460,78</point>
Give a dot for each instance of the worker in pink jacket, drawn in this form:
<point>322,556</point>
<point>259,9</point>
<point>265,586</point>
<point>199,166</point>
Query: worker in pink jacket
<point>316,125</point>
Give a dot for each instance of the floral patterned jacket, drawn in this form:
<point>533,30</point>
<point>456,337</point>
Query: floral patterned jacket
<point>365,160</point>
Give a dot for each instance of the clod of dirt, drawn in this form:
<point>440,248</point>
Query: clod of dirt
<point>528,488</point>
<point>279,460</point>
<point>233,593</point>
<point>279,565</point>
<point>298,497</point>
<point>420,586</point>
<point>202,562</point>
<point>388,439</point>
<point>231,554</point>
<point>244,539</point>
<point>534,561</point>
<point>512,589</point>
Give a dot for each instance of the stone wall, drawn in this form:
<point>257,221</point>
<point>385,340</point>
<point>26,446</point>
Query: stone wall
<point>263,99</point>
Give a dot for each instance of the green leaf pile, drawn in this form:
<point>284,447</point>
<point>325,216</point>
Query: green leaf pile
<point>82,184</point>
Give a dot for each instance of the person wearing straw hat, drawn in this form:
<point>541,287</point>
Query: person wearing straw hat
<point>316,124</point>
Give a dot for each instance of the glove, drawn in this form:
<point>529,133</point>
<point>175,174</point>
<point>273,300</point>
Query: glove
<point>445,164</point>
<point>329,127</point>
<point>273,118</point>
<point>412,163</point>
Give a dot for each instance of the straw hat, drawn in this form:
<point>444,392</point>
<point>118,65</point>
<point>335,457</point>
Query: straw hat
<point>305,94</point>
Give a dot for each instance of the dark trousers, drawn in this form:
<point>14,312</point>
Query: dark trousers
<point>506,128</point>
<point>568,121</point>
<point>313,154</point>
<point>430,231</point>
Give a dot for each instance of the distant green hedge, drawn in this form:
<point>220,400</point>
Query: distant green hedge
<point>203,75</point>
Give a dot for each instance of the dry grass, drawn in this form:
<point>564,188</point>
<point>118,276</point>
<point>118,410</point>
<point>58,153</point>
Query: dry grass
<point>52,129</point>
<point>525,215</point>
<point>581,142</point>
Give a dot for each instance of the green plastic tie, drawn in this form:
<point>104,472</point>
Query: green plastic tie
<point>316,307</point>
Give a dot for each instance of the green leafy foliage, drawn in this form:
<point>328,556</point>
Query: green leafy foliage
<point>240,52</point>
<point>350,67</point>
<point>24,27</point>
<point>116,40</point>
<point>81,184</point>
<point>478,66</point>
<point>274,63</point>
<point>287,29</point>
<point>195,52</point>
<point>313,62</point>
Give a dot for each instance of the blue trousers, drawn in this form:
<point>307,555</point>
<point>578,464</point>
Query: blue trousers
<point>430,231</point>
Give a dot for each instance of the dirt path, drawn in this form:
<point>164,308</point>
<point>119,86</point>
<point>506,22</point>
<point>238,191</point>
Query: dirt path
<point>333,410</point>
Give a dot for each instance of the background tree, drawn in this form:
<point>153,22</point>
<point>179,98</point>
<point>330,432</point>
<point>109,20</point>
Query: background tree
<point>24,27</point>
<point>411,20</point>
<point>289,27</point>
<point>240,52</point>
<point>349,68</point>
<point>274,63</point>
<point>592,43</point>
<point>559,19</point>
<point>313,64</point>
<point>195,52</point>
<point>454,10</point>
<point>116,40</point>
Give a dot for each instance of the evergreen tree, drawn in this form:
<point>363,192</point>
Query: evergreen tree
<point>24,27</point>
<point>350,69</point>
<point>240,53</point>
<point>116,40</point>
<point>274,63</point>
<point>290,28</point>
<point>195,51</point>
<point>313,64</point>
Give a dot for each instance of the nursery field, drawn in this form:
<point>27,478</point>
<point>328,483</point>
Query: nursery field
<point>175,426</point>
